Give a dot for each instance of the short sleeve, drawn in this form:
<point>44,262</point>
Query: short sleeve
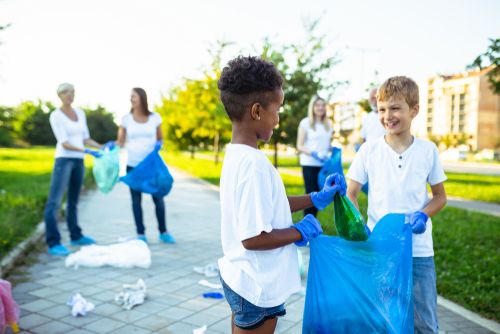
<point>304,124</point>
<point>86,132</point>
<point>254,205</point>
<point>358,172</point>
<point>124,121</point>
<point>157,119</point>
<point>436,173</point>
<point>56,123</point>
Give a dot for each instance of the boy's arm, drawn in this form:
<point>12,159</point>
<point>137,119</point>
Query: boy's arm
<point>301,202</point>
<point>438,200</point>
<point>353,189</point>
<point>274,239</point>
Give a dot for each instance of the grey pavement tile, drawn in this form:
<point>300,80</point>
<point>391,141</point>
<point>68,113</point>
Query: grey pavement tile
<point>104,296</point>
<point>53,327</point>
<point>110,274</point>
<point>129,316</point>
<point>107,309</point>
<point>176,313</point>
<point>283,325</point>
<point>45,292</point>
<point>50,281</point>
<point>26,287</point>
<point>104,325</point>
<point>129,329</point>
<point>150,307</point>
<point>177,328</point>
<point>90,279</point>
<point>223,326</point>
<point>24,298</point>
<point>37,305</point>
<point>32,320</point>
<point>72,286</point>
<point>296,329</point>
<point>56,312</point>
<point>197,304</point>
<point>200,318</point>
<point>154,322</point>
<point>81,321</point>
<point>109,284</point>
<point>80,331</point>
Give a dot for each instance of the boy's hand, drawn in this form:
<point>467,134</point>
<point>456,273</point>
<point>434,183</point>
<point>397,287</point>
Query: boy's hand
<point>95,154</point>
<point>334,183</point>
<point>309,228</point>
<point>418,222</point>
<point>317,156</point>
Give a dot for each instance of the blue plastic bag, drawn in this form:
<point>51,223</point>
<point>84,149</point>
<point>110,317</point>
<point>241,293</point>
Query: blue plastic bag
<point>106,169</point>
<point>150,176</point>
<point>361,287</point>
<point>332,165</point>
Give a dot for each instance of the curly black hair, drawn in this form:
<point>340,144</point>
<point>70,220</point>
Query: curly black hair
<point>245,81</point>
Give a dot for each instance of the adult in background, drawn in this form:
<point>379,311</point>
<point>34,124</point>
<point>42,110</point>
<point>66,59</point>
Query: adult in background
<point>371,128</point>
<point>69,126</point>
<point>313,143</point>
<point>141,129</point>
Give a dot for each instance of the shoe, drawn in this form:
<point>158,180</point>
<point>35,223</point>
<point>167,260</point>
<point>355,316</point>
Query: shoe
<point>83,241</point>
<point>58,250</point>
<point>142,237</point>
<point>167,238</point>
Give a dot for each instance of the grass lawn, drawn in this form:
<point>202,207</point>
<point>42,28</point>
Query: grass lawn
<point>466,243</point>
<point>24,187</point>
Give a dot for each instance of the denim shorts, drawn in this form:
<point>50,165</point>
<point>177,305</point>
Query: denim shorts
<point>246,314</point>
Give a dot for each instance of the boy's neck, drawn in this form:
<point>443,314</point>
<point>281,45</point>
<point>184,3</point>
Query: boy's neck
<point>399,142</point>
<point>243,135</point>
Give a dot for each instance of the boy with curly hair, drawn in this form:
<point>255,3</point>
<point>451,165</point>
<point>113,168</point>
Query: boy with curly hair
<point>259,269</point>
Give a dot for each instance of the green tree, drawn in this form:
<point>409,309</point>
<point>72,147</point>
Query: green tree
<point>492,57</point>
<point>306,70</point>
<point>101,125</point>
<point>7,133</point>
<point>32,123</point>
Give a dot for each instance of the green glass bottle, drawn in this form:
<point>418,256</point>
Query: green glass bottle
<point>348,220</point>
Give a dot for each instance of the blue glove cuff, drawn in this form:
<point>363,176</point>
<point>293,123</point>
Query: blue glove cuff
<point>302,242</point>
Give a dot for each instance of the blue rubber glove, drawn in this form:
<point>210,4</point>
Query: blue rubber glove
<point>93,153</point>
<point>418,222</point>
<point>334,183</point>
<point>316,156</point>
<point>309,228</point>
<point>367,230</point>
<point>109,145</point>
<point>158,144</point>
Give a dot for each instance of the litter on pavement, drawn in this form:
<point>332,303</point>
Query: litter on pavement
<point>79,306</point>
<point>131,295</point>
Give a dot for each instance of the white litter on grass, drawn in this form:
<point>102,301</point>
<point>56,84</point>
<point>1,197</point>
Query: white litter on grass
<point>131,295</point>
<point>133,253</point>
<point>200,330</point>
<point>79,306</point>
<point>210,270</point>
<point>206,283</point>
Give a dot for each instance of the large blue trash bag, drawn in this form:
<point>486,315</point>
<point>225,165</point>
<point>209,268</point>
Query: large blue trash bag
<point>332,165</point>
<point>361,287</point>
<point>150,176</point>
<point>106,169</point>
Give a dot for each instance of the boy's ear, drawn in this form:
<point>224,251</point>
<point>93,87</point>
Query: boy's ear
<point>255,111</point>
<point>414,110</point>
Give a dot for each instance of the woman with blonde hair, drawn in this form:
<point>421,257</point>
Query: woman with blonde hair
<point>313,143</point>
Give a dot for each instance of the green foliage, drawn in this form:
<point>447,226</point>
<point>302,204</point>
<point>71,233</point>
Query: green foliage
<point>101,125</point>
<point>32,123</point>
<point>365,105</point>
<point>7,133</point>
<point>306,71</point>
<point>492,55</point>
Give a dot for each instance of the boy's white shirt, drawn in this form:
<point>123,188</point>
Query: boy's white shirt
<point>394,189</point>
<point>253,200</point>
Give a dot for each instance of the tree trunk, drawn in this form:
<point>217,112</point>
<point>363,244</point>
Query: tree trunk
<point>216,147</point>
<point>192,151</point>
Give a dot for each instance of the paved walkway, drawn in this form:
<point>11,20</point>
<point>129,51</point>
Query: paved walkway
<point>174,303</point>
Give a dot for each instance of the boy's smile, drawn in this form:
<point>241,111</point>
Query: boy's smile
<point>396,115</point>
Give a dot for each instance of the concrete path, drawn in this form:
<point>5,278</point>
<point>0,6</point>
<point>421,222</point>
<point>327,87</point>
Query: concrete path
<point>174,303</point>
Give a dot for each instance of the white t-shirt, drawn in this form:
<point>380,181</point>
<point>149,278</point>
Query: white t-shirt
<point>371,128</point>
<point>318,139</point>
<point>141,137</point>
<point>66,130</point>
<point>253,200</point>
<point>398,182</point>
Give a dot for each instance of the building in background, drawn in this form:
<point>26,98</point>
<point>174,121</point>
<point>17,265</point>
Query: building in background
<point>460,109</point>
<point>347,118</point>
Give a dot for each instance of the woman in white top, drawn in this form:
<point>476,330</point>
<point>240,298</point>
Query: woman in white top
<point>313,143</point>
<point>69,126</point>
<point>141,129</point>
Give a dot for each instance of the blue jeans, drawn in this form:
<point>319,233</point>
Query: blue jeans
<point>67,174</point>
<point>137,210</point>
<point>424,295</point>
<point>310,174</point>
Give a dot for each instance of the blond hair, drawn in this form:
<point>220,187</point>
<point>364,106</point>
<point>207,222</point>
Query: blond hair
<point>64,87</point>
<point>399,87</point>
<point>310,113</point>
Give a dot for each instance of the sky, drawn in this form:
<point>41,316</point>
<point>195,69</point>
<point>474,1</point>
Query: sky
<point>106,47</point>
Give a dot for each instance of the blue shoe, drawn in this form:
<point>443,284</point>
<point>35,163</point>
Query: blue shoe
<point>167,238</point>
<point>83,241</point>
<point>58,250</point>
<point>142,237</point>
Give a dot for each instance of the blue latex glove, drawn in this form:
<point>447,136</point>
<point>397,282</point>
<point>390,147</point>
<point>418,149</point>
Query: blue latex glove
<point>418,222</point>
<point>316,156</point>
<point>334,183</point>
<point>109,145</point>
<point>158,144</point>
<point>367,230</point>
<point>93,153</point>
<point>309,228</point>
